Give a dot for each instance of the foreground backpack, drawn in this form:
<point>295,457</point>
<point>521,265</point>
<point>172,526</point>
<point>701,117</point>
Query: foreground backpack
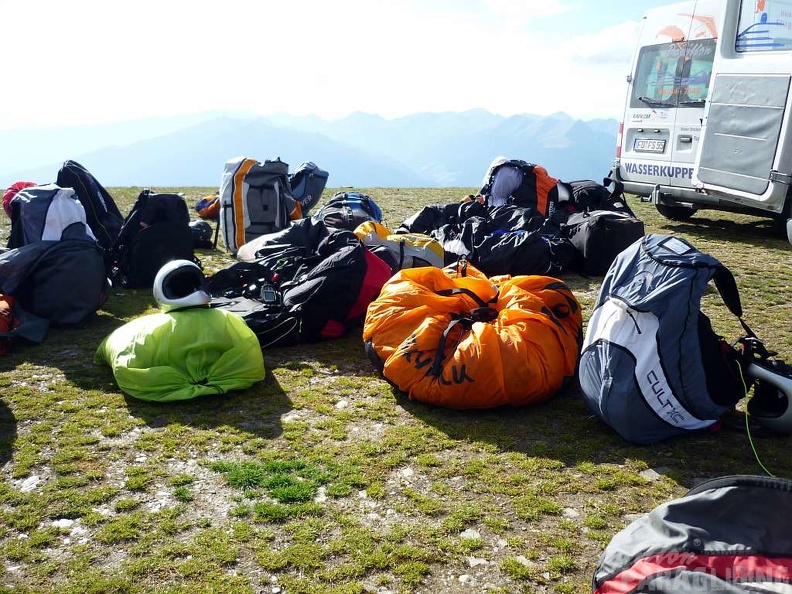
<point>347,210</point>
<point>102,214</point>
<point>307,183</point>
<point>156,230</point>
<point>651,365</point>
<point>729,535</point>
<point>255,199</point>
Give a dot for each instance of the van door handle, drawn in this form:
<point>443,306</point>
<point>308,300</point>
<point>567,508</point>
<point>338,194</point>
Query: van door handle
<point>686,139</point>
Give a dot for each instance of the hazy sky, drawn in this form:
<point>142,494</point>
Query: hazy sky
<point>84,61</point>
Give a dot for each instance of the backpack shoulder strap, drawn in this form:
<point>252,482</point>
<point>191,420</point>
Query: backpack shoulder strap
<point>727,287</point>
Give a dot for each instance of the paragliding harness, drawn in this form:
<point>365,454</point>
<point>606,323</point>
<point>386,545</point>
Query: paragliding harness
<point>537,188</point>
<point>727,534</point>
<point>307,298</point>
<point>347,210</point>
<point>255,292</point>
<point>651,366</point>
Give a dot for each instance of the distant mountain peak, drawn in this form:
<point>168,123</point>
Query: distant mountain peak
<point>428,149</point>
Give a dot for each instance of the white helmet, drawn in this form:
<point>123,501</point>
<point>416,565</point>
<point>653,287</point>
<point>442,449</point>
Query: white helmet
<point>180,283</point>
<point>771,404</point>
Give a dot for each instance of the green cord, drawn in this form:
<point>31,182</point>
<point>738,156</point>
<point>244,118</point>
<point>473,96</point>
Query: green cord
<point>748,426</point>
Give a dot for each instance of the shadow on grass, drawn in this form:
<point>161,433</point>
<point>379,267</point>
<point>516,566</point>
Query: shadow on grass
<point>563,429</point>
<point>8,433</point>
<point>125,304</point>
<point>70,350</point>
<point>757,233</point>
<point>256,411</point>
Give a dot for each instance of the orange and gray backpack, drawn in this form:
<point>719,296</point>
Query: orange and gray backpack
<point>255,199</point>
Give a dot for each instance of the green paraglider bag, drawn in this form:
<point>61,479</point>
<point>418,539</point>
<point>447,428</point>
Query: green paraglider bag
<point>183,354</point>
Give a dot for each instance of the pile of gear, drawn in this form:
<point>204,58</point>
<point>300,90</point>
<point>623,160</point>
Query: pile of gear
<point>457,297</point>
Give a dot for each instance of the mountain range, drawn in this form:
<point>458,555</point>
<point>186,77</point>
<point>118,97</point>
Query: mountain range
<point>446,149</point>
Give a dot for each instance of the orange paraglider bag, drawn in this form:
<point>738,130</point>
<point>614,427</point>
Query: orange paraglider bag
<point>455,338</point>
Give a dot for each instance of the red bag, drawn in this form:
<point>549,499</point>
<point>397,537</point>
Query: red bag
<point>11,192</point>
<point>8,322</point>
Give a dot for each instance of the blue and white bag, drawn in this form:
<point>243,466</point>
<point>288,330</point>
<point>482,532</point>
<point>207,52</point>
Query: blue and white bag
<point>651,366</point>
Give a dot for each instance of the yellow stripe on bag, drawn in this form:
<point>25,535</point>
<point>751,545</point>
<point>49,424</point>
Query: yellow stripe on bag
<point>238,200</point>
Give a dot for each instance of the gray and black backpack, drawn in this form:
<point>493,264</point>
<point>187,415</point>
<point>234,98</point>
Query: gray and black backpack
<point>728,534</point>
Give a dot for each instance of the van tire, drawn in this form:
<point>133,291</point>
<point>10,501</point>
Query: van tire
<point>782,222</point>
<point>789,230</point>
<point>675,213</point>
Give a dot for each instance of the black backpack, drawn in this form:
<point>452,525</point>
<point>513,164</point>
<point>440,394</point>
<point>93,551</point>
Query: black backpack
<point>156,231</point>
<point>254,292</point>
<point>598,237</point>
<point>588,195</point>
<point>101,212</point>
<point>321,298</point>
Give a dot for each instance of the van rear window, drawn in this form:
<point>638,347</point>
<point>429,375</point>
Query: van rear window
<point>673,74</point>
<point>765,26</point>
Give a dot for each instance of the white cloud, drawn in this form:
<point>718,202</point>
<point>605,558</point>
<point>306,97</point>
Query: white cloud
<point>92,60</point>
<point>527,10</point>
<point>612,45</point>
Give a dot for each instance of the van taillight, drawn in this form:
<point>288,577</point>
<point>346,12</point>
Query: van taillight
<point>619,140</point>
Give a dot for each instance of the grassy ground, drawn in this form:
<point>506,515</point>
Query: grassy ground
<point>323,479</point>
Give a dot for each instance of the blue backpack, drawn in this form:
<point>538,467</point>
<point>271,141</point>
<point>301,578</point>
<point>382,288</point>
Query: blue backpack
<point>307,184</point>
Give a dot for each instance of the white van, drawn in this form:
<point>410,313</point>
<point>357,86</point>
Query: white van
<point>706,121</point>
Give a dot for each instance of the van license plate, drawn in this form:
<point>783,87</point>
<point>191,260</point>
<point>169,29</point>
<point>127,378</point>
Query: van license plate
<point>648,145</point>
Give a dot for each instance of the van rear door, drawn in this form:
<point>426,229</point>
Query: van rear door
<point>668,87</point>
<point>745,152</point>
